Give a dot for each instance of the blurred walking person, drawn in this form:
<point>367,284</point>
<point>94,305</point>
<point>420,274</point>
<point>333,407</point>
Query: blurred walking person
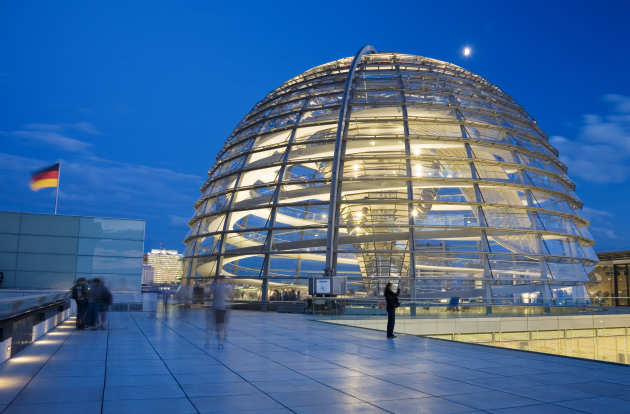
<point>102,298</point>
<point>392,303</point>
<point>91,313</point>
<point>80,296</point>
<point>166,292</point>
<point>220,297</point>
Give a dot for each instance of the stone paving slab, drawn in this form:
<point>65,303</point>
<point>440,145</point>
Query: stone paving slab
<point>281,363</point>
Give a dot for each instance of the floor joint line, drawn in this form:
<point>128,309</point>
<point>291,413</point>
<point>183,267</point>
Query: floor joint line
<point>105,375</point>
<point>165,364</point>
<point>222,363</point>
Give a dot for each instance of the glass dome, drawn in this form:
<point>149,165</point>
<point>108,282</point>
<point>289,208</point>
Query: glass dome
<point>393,167</point>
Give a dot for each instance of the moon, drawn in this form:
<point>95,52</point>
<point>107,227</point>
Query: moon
<point>467,51</point>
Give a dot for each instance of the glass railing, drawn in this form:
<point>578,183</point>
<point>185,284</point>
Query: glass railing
<point>602,344</point>
<point>458,308</point>
<point>588,331</point>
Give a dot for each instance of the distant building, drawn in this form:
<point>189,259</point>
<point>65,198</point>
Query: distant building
<point>147,274</point>
<point>166,265</point>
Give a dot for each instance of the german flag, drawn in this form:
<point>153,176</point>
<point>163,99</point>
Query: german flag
<point>44,178</point>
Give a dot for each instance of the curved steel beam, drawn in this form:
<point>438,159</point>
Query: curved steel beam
<point>331,243</point>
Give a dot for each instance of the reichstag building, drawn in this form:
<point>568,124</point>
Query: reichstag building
<point>392,167</point>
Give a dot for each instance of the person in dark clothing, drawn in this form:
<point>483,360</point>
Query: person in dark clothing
<point>80,296</point>
<point>91,312</point>
<point>392,303</point>
<point>102,298</point>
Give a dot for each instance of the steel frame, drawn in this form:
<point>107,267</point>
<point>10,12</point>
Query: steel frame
<point>333,211</point>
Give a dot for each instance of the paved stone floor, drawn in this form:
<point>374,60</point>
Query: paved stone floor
<point>275,363</point>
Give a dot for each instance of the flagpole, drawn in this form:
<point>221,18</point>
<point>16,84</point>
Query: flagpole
<point>58,184</point>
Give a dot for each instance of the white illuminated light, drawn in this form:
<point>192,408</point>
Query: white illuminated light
<point>355,167</point>
<point>26,359</point>
<point>416,151</point>
<point>46,342</point>
<point>372,143</point>
<point>414,212</point>
<point>467,51</point>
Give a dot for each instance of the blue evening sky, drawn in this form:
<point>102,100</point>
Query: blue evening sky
<point>136,98</point>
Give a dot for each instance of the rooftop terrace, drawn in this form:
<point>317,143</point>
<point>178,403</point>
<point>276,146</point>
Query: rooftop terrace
<point>279,363</point>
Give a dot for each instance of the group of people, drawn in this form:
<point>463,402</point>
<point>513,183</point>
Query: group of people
<point>284,295</point>
<point>93,300</point>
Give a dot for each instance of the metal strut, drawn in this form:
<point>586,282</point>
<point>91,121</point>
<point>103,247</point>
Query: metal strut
<point>331,242</point>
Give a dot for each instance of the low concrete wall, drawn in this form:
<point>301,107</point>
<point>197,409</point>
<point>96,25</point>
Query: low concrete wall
<point>43,327</point>
<point>24,319</point>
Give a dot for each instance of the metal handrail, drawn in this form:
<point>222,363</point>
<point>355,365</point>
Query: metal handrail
<point>14,306</point>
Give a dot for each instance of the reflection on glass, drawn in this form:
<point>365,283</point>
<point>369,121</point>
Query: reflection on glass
<point>111,228</point>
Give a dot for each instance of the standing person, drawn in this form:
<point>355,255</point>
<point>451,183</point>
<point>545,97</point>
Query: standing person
<point>80,296</point>
<point>91,312</point>
<point>220,293</point>
<point>103,299</point>
<point>392,303</point>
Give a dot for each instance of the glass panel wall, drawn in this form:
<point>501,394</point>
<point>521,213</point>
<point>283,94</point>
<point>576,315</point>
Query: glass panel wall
<point>40,251</point>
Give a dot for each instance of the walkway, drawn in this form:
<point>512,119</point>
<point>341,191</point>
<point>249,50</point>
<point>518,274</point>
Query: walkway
<point>275,363</point>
